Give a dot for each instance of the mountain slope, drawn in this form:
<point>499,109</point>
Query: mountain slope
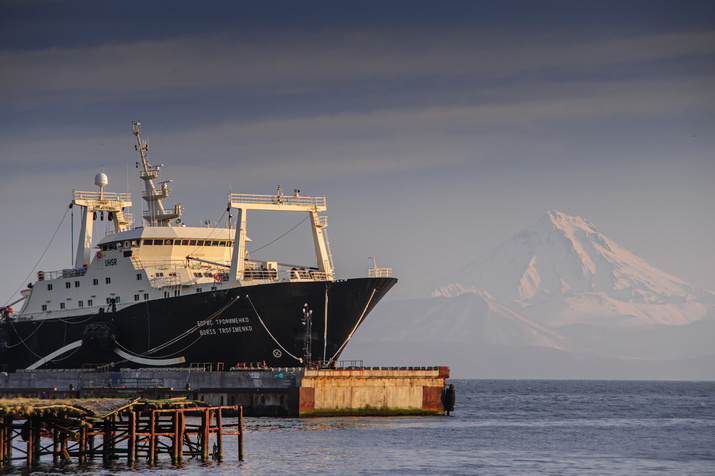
<point>558,300</point>
<point>471,318</point>
<point>563,270</point>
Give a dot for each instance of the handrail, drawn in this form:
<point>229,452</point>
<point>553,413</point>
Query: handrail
<point>103,196</point>
<point>157,263</point>
<point>379,272</point>
<point>277,200</point>
<point>61,273</point>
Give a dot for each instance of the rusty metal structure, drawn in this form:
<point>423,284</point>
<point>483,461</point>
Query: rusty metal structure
<point>79,431</point>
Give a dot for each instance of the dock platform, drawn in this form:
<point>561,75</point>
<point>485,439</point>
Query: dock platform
<point>349,390</point>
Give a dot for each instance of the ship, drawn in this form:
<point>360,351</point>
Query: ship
<point>163,294</point>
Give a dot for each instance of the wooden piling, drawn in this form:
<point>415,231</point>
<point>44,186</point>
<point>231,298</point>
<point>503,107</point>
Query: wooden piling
<point>240,434</point>
<point>30,440</point>
<point>63,449</point>
<point>219,433</point>
<point>137,430</point>
<point>56,454</point>
<point>180,428</point>
<point>132,437</point>
<point>205,432</point>
<point>152,437</point>
<point>82,455</point>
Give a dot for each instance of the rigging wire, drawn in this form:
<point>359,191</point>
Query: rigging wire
<point>284,234</point>
<point>24,339</point>
<point>41,256</point>
<point>211,235</point>
<point>71,322</point>
<point>205,322</point>
<point>67,356</point>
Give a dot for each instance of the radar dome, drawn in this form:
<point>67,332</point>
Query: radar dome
<point>101,180</point>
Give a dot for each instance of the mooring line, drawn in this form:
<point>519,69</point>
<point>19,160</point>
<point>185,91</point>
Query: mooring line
<point>269,332</point>
<point>350,336</point>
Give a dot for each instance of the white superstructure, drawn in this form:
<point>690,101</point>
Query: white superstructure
<point>163,257</point>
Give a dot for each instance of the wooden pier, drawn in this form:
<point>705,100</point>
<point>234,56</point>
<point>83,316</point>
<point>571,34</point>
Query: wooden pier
<point>77,431</point>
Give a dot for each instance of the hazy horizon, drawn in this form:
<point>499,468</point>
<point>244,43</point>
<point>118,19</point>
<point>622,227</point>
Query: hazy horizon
<point>435,129</point>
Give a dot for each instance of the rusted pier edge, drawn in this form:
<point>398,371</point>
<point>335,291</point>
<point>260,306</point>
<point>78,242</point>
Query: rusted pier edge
<point>348,390</point>
<point>80,430</point>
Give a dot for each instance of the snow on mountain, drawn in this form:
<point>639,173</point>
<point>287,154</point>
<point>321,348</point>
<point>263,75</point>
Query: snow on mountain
<point>563,270</point>
<point>558,300</point>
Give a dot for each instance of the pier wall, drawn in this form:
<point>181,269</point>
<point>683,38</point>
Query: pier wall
<point>372,392</point>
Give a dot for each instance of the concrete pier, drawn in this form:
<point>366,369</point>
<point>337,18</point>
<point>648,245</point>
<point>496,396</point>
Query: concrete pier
<point>372,391</point>
<point>262,392</point>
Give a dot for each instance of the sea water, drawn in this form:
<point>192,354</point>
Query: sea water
<point>499,427</point>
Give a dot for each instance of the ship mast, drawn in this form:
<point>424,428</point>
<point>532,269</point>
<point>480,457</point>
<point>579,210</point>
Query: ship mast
<point>156,214</point>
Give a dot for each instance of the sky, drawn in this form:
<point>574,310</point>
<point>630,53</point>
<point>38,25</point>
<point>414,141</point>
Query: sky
<point>436,129</point>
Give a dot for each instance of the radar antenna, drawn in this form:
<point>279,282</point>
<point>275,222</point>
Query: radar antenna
<point>156,214</point>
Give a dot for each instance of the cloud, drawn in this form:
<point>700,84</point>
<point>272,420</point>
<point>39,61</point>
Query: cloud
<point>286,64</point>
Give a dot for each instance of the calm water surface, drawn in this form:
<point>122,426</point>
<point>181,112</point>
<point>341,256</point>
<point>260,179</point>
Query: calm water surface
<point>500,427</point>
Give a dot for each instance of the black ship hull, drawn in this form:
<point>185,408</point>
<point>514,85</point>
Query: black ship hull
<point>262,324</point>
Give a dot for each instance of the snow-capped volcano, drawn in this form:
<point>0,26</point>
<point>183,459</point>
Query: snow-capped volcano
<point>558,300</point>
<point>562,265</point>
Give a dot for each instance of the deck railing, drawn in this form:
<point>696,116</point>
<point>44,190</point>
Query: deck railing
<point>255,271</point>
<point>105,196</point>
<point>61,273</point>
<point>277,200</point>
<point>379,272</point>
